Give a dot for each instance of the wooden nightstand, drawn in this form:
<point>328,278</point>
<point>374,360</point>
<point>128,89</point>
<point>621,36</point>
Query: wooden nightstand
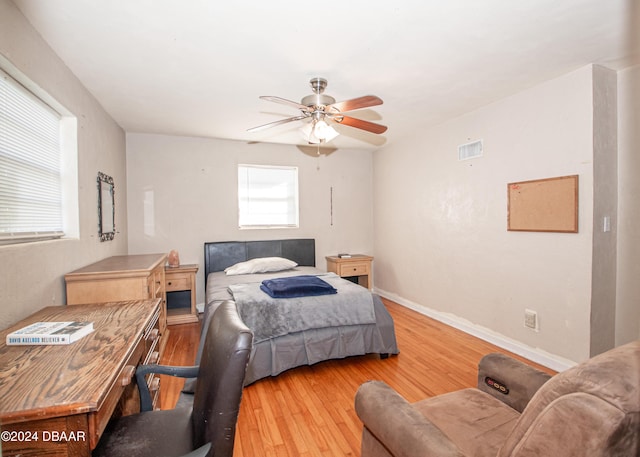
<point>357,266</point>
<point>178,281</point>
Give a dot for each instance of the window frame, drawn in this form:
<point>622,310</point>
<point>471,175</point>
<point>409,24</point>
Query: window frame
<point>291,201</point>
<point>67,159</point>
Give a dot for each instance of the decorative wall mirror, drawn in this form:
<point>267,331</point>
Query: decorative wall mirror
<point>106,208</point>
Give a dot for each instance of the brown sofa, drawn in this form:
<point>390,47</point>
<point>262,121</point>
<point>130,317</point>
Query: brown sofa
<point>592,409</point>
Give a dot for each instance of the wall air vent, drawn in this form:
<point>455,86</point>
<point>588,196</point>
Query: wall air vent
<point>470,150</point>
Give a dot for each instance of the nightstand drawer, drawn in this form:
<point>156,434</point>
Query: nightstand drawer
<point>353,269</point>
<point>174,283</point>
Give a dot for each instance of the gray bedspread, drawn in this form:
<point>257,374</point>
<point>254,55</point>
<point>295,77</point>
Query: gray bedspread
<point>275,355</point>
<point>269,317</point>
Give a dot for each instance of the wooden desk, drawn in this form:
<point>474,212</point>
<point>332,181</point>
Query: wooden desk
<point>357,266</point>
<point>57,400</point>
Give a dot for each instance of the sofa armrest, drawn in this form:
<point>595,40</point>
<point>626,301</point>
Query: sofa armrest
<point>398,425</point>
<point>509,380</point>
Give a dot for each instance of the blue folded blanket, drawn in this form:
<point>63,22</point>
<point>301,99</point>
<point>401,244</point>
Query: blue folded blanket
<point>296,286</point>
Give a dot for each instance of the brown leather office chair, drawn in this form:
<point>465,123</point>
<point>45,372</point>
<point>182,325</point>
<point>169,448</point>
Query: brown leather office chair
<point>592,409</point>
<point>206,428</point>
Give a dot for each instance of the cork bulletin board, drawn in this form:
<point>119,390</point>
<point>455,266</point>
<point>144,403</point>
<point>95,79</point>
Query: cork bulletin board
<point>543,205</point>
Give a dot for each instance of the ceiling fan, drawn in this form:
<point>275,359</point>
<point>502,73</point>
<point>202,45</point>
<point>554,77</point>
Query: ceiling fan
<point>321,111</point>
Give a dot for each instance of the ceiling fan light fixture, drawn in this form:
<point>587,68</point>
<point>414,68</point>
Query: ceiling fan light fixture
<point>318,132</point>
<point>307,133</point>
<point>324,131</point>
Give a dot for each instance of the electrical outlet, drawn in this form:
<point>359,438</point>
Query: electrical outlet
<point>531,319</point>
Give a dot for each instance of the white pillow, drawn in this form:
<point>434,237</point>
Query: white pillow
<point>260,265</point>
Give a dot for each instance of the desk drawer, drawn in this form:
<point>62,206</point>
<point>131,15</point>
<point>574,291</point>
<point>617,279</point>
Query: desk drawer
<point>124,381</point>
<point>353,269</point>
<point>123,398</point>
<point>177,283</point>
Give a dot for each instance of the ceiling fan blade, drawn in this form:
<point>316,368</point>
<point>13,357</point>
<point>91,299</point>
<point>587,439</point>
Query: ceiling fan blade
<point>273,124</point>
<point>360,124</point>
<point>284,101</point>
<point>356,103</point>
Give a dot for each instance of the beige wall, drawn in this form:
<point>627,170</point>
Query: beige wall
<point>31,275</point>
<point>628,227</point>
<point>182,191</point>
<point>441,242</point>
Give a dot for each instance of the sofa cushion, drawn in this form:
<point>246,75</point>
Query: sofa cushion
<point>475,421</point>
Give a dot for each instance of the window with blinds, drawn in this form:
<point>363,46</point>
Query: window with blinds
<point>267,196</point>
<point>31,204</point>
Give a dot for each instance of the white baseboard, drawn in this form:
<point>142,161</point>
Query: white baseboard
<point>536,355</point>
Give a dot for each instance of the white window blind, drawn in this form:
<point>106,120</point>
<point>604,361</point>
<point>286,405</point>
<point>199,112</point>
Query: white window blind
<point>30,165</point>
<point>267,196</point>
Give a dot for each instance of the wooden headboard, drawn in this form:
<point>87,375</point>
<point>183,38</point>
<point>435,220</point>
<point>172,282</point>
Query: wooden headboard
<point>222,254</point>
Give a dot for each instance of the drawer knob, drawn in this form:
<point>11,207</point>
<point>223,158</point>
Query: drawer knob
<point>127,375</point>
<point>154,334</point>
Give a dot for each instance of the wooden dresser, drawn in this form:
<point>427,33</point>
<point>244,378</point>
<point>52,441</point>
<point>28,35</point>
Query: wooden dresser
<point>57,400</point>
<point>118,278</point>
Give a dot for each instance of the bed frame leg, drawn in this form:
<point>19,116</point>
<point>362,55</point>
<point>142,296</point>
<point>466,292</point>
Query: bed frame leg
<point>384,356</point>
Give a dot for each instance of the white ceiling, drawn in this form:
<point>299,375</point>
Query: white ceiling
<point>197,67</point>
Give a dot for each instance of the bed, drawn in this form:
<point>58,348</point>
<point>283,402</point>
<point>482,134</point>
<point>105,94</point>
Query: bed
<point>307,339</point>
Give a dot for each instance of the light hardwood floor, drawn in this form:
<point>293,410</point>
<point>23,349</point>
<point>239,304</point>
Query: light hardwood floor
<point>308,411</point>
